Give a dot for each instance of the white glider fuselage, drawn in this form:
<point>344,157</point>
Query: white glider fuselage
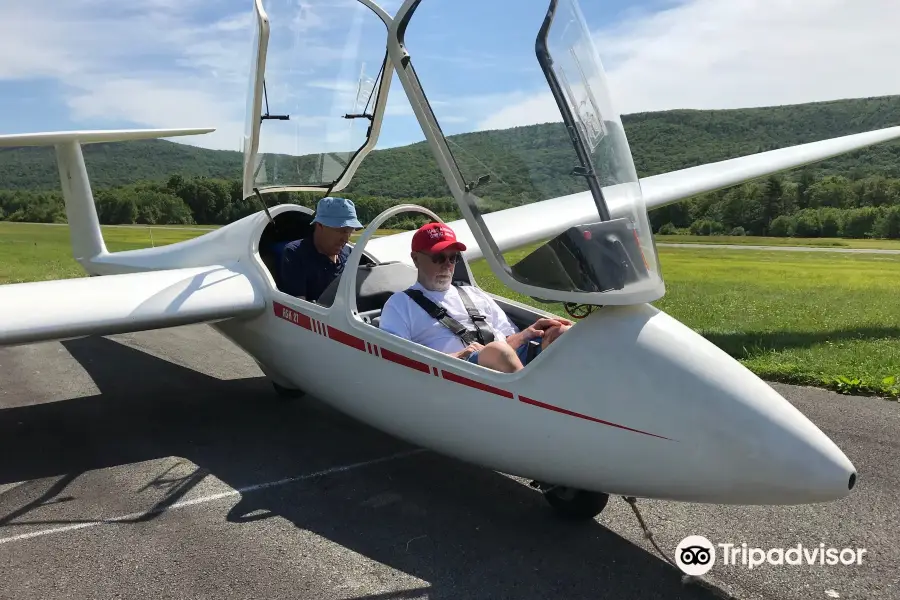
<point>629,401</point>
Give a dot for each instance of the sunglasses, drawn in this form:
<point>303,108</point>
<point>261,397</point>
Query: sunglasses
<point>440,259</point>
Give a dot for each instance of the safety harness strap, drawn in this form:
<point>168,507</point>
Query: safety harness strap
<point>485,335</point>
<point>482,334</point>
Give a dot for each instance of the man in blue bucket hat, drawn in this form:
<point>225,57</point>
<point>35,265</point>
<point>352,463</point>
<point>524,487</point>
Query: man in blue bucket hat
<point>310,264</point>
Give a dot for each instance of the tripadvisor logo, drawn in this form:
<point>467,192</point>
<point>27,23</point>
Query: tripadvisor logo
<point>696,555</point>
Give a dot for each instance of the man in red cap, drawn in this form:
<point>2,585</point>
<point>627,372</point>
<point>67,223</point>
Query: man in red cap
<point>461,321</point>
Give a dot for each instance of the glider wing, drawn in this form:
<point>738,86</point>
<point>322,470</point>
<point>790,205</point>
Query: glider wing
<point>50,138</point>
<point>69,308</point>
<point>667,188</point>
<point>530,223</point>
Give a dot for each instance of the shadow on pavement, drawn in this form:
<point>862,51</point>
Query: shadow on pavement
<point>469,532</point>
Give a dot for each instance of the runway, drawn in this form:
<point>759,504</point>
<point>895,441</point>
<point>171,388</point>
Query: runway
<point>161,464</point>
<point>780,248</point>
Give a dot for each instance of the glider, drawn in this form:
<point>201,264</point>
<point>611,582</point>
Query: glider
<point>630,401</point>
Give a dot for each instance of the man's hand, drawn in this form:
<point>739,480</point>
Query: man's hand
<point>544,323</point>
<point>553,333</point>
<point>542,326</point>
<point>535,330</point>
<point>468,350</point>
<point>540,329</point>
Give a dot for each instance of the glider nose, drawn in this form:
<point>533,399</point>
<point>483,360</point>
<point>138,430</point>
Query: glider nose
<point>777,454</point>
<point>784,455</point>
<point>690,422</point>
<point>734,439</point>
<point>818,471</point>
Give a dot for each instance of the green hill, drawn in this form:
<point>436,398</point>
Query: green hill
<point>856,195</point>
<point>519,159</point>
<point>116,164</point>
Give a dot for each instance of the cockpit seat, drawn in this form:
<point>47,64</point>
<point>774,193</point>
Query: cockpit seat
<point>374,285</point>
<point>272,259</point>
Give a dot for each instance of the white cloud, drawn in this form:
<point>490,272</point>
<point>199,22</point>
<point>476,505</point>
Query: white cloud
<point>150,64</point>
<point>740,53</point>
<point>185,63</point>
<point>530,111</point>
<point>712,54</point>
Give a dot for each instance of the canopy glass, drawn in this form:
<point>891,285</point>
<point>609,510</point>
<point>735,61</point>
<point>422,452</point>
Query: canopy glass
<point>315,92</point>
<point>522,110</point>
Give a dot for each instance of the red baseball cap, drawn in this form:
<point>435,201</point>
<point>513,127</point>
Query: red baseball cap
<point>435,237</point>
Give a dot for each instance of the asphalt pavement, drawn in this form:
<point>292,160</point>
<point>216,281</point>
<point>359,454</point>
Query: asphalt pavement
<point>161,464</point>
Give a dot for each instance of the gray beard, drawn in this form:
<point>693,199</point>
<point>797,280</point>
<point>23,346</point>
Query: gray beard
<point>434,286</point>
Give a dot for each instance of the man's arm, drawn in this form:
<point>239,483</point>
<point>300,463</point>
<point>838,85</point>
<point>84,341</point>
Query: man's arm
<point>516,338</point>
<point>293,275</point>
<point>500,321</point>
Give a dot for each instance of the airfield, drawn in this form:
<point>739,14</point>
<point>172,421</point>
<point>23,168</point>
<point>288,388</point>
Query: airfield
<point>161,464</point>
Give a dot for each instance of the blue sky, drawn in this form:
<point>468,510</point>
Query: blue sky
<point>80,64</point>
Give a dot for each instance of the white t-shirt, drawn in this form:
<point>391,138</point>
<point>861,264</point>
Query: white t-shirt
<point>402,317</point>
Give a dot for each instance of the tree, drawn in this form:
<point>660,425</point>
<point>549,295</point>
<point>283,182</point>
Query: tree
<point>782,226</point>
<point>771,201</point>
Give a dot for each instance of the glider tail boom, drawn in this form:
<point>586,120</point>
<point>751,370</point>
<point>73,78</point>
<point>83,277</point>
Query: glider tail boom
<point>81,212</point>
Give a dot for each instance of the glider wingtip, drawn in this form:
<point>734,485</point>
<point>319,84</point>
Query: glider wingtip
<point>190,131</point>
<point>49,138</point>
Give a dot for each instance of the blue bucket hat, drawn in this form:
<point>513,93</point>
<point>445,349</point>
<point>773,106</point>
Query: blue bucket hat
<point>337,212</point>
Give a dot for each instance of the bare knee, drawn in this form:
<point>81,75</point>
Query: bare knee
<point>501,357</point>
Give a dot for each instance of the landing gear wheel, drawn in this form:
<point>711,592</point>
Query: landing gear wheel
<point>578,505</point>
<point>287,393</point>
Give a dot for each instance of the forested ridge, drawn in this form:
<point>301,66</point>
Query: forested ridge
<point>854,195</point>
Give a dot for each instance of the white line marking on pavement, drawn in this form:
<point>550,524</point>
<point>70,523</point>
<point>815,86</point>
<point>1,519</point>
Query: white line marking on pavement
<point>205,499</point>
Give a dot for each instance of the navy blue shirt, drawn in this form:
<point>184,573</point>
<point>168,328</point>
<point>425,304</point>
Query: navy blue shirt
<point>306,272</point>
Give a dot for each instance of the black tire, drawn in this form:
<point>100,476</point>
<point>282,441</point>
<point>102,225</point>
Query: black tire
<point>577,505</point>
<point>287,393</point>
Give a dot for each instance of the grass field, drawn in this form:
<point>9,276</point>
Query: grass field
<point>825,319</point>
<point>35,252</point>
<point>746,240</point>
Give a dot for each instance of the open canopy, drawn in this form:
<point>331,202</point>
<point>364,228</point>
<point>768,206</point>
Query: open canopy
<point>318,87</point>
<point>563,137</point>
<point>316,104</point>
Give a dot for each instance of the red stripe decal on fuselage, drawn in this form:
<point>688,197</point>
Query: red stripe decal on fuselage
<point>345,338</point>
<point>476,384</point>
<point>581,416</point>
<point>403,360</point>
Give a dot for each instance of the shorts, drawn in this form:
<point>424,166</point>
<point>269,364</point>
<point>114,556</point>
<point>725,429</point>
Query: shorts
<point>522,351</point>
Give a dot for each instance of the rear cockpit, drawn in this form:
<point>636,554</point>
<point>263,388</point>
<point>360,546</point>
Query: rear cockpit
<point>287,226</point>
<point>375,282</point>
